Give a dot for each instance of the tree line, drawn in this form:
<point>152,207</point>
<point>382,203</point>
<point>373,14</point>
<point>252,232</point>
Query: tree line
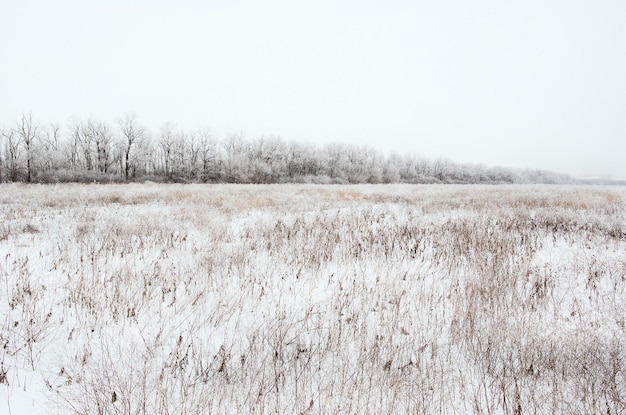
<point>92,150</point>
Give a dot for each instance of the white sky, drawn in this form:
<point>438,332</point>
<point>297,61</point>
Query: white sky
<point>535,83</point>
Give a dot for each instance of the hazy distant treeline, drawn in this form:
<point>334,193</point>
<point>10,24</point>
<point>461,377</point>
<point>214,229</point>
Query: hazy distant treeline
<point>91,150</point>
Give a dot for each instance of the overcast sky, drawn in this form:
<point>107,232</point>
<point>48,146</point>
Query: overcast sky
<point>534,83</point>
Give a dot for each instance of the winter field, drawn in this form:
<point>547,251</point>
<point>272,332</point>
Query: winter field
<point>202,299</point>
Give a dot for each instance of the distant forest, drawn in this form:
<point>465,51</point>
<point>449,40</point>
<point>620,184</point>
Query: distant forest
<point>91,150</point>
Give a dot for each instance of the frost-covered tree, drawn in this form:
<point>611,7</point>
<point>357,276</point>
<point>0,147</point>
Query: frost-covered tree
<point>209,154</point>
<point>91,148</point>
<point>268,160</point>
<point>131,134</point>
<point>52,155</point>
<point>235,149</point>
<point>28,135</point>
<point>167,141</point>
<point>82,145</point>
<point>102,139</point>
<point>191,155</point>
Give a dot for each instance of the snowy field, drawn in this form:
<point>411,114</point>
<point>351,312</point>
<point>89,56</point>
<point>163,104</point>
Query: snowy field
<point>298,299</point>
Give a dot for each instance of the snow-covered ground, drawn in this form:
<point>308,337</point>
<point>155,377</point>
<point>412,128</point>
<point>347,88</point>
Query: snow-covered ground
<point>196,299</point>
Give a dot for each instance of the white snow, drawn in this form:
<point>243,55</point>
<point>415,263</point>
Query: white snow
<point>328,299</point>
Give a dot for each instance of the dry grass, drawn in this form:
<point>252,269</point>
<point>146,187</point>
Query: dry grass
<point>312,299</point>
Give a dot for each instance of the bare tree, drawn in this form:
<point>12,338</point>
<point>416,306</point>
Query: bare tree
<point>82,145</point>
<point>51,147</point>
<point>1,155</point>
<point>209,155</point>
<point>268,159</point>
<point>181,145</point>
<point>13,154</point>
<point>73,156</point>
<point>192,150</point>
<point>28,133</point>
<point>235,147</point>
<point>102,138</point>
<point>27,149</point>
<point>131,133</point>
<point>166,145</point>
